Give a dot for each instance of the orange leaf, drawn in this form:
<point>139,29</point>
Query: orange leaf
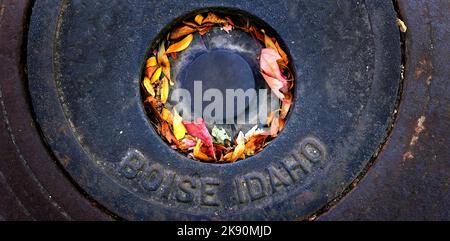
<point>283,55</point>
<point>255,144</point>
<point>150,70</point>
<point>268,41</point>
<point>151,62</point>
<point>148,86</point>
<point>198,19</point>
<point>199,154</point>
<point>212,18</point>
<point>167,133</point>
<point>181,45</point>
<point>270,118</point>
<point>182,31</point>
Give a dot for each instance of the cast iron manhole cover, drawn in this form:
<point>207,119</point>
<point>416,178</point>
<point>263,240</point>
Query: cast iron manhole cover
<point>85,64</point>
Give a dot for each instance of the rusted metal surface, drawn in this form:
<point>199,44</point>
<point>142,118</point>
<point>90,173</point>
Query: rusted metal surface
<point>410,180</point>
<point>32,186</point>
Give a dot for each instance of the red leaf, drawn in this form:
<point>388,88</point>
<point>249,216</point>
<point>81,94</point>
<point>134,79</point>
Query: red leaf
<point>199,130</point>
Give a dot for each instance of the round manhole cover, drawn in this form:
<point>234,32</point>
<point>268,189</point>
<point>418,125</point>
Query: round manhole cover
<point>85,65</point>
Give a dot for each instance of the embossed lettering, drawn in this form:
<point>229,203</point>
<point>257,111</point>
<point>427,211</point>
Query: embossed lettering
<point>209,191</point>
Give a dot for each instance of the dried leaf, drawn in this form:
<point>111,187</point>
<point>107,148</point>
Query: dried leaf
<point>274,128</point>
<point>238,152</point>
<point>198,19</point>
<point>255,144</point>
<point>283,54</point>
<point>182,31</point>
<point>270,118</point>
<point>164,90</point>
<point>268,41</point>
<point>212,18</point>
<point>163,61</point>
<point>198,154</point>
<point>167,133</point>
<point>220,135</point>
<point>187,143</point>
<point>167,116</point>
<point>254,131</point>
<point>190,24</point>
<point>151,62</point>
<point>271,71</point>
<point>148,86</point>
<point>181,45</point>
<point>401,25</point>
<point>240,139</point>
<point>150,71</point>
<point>199,130</point>
<point>281,124</point>
<point>178,127</point>
<point>286,105</point>
<point>227,28</point>
<point>156,75</point>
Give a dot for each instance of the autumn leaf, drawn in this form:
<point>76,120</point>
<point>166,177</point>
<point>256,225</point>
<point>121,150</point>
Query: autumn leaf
<point>151,62</point>
<point>268,41</point>
<point>274,127</point>
<point>198,154</point>
<point>167,133</point>
<point>212,18</point>
<point>238,152</point>
<point>271,71</point>
<point>270,117</point>
<point>198,19</point>
<point>286,105</point>
<point>240,139</point>
<point>187,143</point>
<point>178,127</point>
<point>148,86</point>
<point>167,116</point>
<point>220,135</point>
<point>283,54</point>
<point>164,90</point>
<point>149,71</point>
<point>182,31</point>
<point>156,75</point>
<point>181,45</point>
<point>199,130</point>
<point>255,144</point>
<point>253,131</point>
<point>227,28</point>
<point>164,62</point>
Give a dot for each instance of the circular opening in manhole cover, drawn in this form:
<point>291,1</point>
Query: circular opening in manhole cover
<point>86,85</point>
<point>217,85</point>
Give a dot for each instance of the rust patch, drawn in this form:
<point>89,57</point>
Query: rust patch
<point>417,130</point>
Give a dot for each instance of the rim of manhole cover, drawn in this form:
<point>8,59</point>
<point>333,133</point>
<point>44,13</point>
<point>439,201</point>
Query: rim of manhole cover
<point>85,63</point>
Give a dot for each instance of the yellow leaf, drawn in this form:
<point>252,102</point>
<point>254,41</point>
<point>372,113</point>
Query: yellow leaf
<point>198,19</point>
<point>151,62</point>
<point>181,45</point>
<point>199,154</point>
<point>148,86</point>
<point>164,90</point>
<point>156,75</point>
<point>178,127</point>
<point>166,115</point>
<point>238,152</point>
